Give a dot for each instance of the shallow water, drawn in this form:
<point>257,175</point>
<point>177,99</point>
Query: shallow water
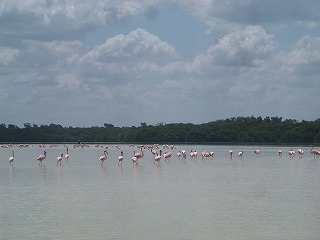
<point>256,197</point>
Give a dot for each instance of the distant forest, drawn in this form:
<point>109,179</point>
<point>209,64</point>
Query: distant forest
<point>268,130</point>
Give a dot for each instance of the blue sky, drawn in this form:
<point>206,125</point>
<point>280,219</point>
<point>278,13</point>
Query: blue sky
<point>86,63</point>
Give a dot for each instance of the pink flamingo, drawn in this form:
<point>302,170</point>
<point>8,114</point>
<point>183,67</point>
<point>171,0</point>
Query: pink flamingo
<point>300,152</point>
<point>167,156</point>
<point>42,157</point>
<point>314,152</point>
<point>191,154</point>
<point>205,155</point>
<point>153,151</point>
<point>257,152</point>
<point>120,158</point>
<point>280,153</point>
<point>66,156</point>
<point>103,157</point>
<point>179,154</point>
<point>184,154</point>
<point>195,154</point>
<point>240,154</point>
<point>231,153</point>
<point>11,159</point>
<point>139,155</point>
<point>135,160</point>
<point>59,159</point>
<point>157,158</point>
<point>291,153</point>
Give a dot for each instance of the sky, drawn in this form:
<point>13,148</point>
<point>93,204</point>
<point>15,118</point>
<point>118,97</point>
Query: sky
<point>85,63</point>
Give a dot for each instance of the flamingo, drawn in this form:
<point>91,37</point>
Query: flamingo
<point>291,153</point>
<point>231,153</point>
<point>191,154</point>
<point>179,154</point>
<point>240,154</point>
<point>280,153</point>
<point>11,159</point>
<point>103,157</point>
<point>167,155</point>
<point>300,152</point>
<point>42,157</point>
<point>139,155</point>
<point>157,158</point>
<point>314,152</point>
<point>257,152</point>
<point>195,154</point>
<point>184,154</point>
<point>59,159</point>
<point>205,155</point>
<point>120,158</point>
<point>134,160</point>
<point>66,156</point>
<point>211,154</point>
<point>153,151</point>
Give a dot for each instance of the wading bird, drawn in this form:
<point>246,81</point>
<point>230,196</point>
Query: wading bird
<point>11,159</point>
<point>300,153</point>
<point>59,159</point>
<point>139,155</point>
<point>120,158</point>
<point>157,158</point>
<point>66,156</point>
<point>314,152</point>
<point>291,153</point>
<point>42,157</point>
<point>103,157</point>
<point>135,160</point>
<point>257,152</point>
<point>167,156</point>
<point>231,153</point>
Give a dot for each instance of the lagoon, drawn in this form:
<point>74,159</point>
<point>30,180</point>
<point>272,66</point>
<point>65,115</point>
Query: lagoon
<point>256,197</point>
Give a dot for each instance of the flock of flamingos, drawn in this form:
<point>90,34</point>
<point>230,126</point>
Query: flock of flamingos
<point>154,149</point>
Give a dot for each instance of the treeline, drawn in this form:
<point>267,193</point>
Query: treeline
<point>252,129</point>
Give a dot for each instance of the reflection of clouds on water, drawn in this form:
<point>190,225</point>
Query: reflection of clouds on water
<point>120,171</point>
<point>157,167</point>
<point>260,190</point>
<point>59,171</point>
<point>138,170</point>
<point>42,170</point>
<point>11,171</point>
<point>103,171</point>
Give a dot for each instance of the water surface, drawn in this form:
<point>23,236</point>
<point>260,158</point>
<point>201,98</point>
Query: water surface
<point>256,197</point>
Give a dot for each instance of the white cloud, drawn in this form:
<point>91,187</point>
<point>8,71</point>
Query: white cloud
<point>306,51</point>
<point>226,16</point>
<point>68,80</point>
<point>138,44</point>
<point>243,47</point>
<point>238,51</point>
<point>63,20</point>
<point>240,68</point>
<point>7,55</point>
<point>128,57</point>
